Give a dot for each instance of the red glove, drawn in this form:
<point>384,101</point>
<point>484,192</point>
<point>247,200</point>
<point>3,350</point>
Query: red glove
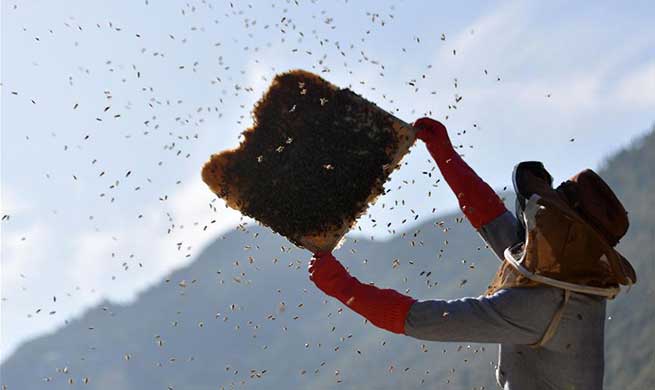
<point>386,309</point>
<point>477,200</point>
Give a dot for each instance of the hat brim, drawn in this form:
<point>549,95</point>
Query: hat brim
<point>626,268</point>
<point>620,266</point>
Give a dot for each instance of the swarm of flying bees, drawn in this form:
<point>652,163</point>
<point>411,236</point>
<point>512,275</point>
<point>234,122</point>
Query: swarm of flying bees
<point>289,321</point>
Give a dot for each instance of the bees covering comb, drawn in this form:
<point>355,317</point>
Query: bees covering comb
<point>314,159</point>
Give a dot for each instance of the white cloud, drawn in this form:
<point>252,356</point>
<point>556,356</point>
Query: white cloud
<point>567,61</point>
<point>92,262</point>
<point>24,263</point>
<point>638,87</point>
<point>87,267</point>
<point>192,212</point>
<point>12,204</point>
<point>143,253</point>
<point>495,33</point>
<point>22,253</point>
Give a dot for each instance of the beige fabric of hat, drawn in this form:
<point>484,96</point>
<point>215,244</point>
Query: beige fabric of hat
<point>570,236</point>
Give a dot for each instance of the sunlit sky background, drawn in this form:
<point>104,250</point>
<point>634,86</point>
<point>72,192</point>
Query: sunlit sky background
<point>109,109</point>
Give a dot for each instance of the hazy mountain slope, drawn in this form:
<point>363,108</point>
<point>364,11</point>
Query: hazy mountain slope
<point>198,345</point>
<point>630,342</point>
<point>281,332</point>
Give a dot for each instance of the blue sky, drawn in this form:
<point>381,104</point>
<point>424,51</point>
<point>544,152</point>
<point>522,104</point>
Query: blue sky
<point>109,109</point>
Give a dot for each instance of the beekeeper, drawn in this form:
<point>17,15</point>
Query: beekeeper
<point>546,305</point>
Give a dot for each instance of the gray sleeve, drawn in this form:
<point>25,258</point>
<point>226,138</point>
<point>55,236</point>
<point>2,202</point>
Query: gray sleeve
<point>501,233</point>
<point>511,316</point>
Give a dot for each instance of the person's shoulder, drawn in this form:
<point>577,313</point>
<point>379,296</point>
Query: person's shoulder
<point>542,292</point>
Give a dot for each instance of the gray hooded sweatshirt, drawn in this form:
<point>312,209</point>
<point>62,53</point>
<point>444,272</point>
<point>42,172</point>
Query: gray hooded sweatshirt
<point>515,318</point>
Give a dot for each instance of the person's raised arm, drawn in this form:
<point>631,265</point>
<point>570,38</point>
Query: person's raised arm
<point>477,200</point>
<point>480,204</point>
